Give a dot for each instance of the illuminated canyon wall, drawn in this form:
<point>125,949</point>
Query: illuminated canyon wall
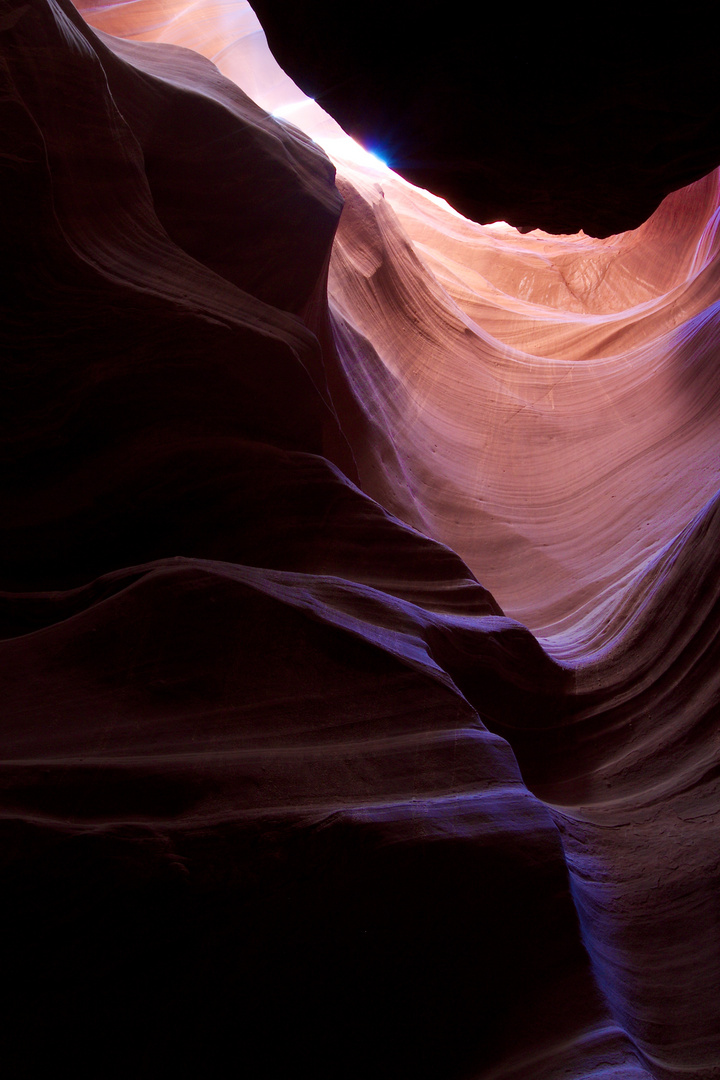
<point>360,616</point>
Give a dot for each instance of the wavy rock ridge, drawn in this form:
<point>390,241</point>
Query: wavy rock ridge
<point>281,782</point>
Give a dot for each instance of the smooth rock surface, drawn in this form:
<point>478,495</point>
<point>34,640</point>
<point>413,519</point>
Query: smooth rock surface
<point>359,607</point>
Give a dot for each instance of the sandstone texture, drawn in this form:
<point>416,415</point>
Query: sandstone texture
<point>359,581</point>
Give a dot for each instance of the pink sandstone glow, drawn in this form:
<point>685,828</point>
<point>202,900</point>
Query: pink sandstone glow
<point>543,406</point>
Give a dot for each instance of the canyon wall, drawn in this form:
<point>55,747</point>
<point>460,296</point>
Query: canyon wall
<point>359,592</point>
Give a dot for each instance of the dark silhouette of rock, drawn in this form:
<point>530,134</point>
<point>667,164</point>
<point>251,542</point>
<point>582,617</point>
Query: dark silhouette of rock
<point>359,621</point>
<point>535,117</point>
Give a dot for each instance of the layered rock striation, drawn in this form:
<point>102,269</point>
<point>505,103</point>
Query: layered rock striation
<point>360,593</point>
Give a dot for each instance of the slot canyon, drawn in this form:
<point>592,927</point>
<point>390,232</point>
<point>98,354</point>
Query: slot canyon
<point>360,544</point>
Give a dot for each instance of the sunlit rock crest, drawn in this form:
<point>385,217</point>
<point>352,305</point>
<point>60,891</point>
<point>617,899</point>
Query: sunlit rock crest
<point>281,779</point>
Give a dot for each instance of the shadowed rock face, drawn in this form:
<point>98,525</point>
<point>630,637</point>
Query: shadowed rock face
<point>540,118</point>
<point>282,784</point>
